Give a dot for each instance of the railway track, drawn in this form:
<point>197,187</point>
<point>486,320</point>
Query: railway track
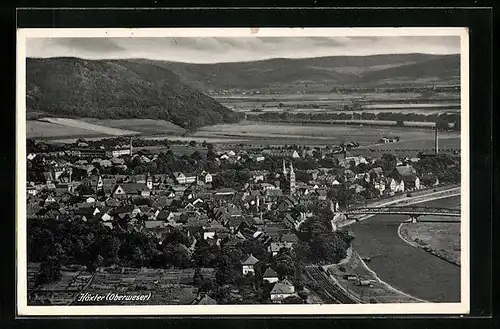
<point>338,295</point>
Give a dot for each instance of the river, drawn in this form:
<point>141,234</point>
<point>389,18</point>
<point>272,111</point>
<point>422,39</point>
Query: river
<point>411,270</point>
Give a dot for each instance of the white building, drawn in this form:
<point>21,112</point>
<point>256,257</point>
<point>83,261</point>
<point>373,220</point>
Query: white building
<point>249,265</point>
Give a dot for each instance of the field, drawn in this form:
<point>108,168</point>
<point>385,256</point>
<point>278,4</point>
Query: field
<point>441,239</point>
<point>145,126</point>
<point>98,127</point>
<point>39,129</point>
<point>366,136</point>
<point>414,102</point>
<point>413,139</point>
<point>166,286</point>
<point>91,127</point>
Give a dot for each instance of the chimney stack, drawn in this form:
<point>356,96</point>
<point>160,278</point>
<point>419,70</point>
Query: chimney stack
<point>436,141</point>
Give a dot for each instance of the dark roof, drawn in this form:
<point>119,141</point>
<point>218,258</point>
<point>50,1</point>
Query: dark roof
<point>134,187</point>
<point>289,237</point>
<point>251,260</point>
<point>270,273</point>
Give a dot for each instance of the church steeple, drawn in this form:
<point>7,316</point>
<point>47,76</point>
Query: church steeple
<point>292,180</point>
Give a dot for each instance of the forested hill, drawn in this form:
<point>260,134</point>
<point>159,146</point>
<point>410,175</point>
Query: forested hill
<point>118,89</point>
<point>334,71</point>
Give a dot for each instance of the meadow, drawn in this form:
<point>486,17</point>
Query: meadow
<point>145,126</point>
<point>366,135</point>
<point>40,129</point>
<point>92,127</point>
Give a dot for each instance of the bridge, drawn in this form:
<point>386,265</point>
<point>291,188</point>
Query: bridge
<point>412,212</point>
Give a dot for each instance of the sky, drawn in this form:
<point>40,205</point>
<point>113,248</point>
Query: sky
<point>237,49</point>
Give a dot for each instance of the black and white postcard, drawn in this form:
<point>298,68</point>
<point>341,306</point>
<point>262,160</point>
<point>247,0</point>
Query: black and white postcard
<point>270,171</point>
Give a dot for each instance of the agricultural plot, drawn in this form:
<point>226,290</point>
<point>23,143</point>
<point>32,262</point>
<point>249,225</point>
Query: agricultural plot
<point>98,128</point>
<point>440,239</point>
<point>145,126</point>
<point>322,134</point>
<point>166,286</point>
<point>39,129</point>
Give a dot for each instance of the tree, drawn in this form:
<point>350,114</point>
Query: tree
<point>84,189</point>
<point>293,300</point>
<point>192,143</point>
<point>196,155</point>
<point>138,257</point>
<point>283,263</point>
<point>442,124</point>
<point>205,255</point>
<point>303,295</point>
<point>388,162</point>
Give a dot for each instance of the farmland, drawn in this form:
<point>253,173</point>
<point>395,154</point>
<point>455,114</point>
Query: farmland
<point>40,129</point>
<point>145,126</point>
<point>90,127</point>
<point>166,286</point>
<point>328,134</point>
<point>415,102</point>
<point>441,239</point>
<point>62,127</point>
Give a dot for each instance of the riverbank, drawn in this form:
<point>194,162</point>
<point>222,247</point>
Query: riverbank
<point>440,239</point>
<point>405,266</point>
<point>352,271</point>
<point>377,290</point>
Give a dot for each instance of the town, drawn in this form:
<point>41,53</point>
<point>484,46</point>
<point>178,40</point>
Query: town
<point>201,223</point>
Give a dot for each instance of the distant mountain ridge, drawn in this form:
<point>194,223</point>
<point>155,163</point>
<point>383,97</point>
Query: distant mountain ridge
<point>335,71</point>
<point>117,89</point>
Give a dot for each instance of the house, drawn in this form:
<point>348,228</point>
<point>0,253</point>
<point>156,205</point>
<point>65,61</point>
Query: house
<point>225,192</point>
<point>412,182</point>
<point>402,171</point>
<point>407,175</point>
<point>32,190</point>
<point>396,185</point>
<point>379,184</point>
<point>287,204</point>
<point>295,155</point>
<point>289,238</point>
<point>179,177</point>
<point>136,189</point>
<point>387,140</point>
<point>282,290</point>
<point>249,265</point>
<point>275,247</point>
<point>205,177</point>
<point>335,182</point>
<point>270,275</point>
<point>49,199</point>
<point>118,192</point>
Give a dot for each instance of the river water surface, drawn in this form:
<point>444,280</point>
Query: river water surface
<point>411,270</point>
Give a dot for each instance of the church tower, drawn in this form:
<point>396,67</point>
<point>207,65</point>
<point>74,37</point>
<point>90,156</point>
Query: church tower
<point>284,168</point>
<point>131,147</point>
<point>292,180</point>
